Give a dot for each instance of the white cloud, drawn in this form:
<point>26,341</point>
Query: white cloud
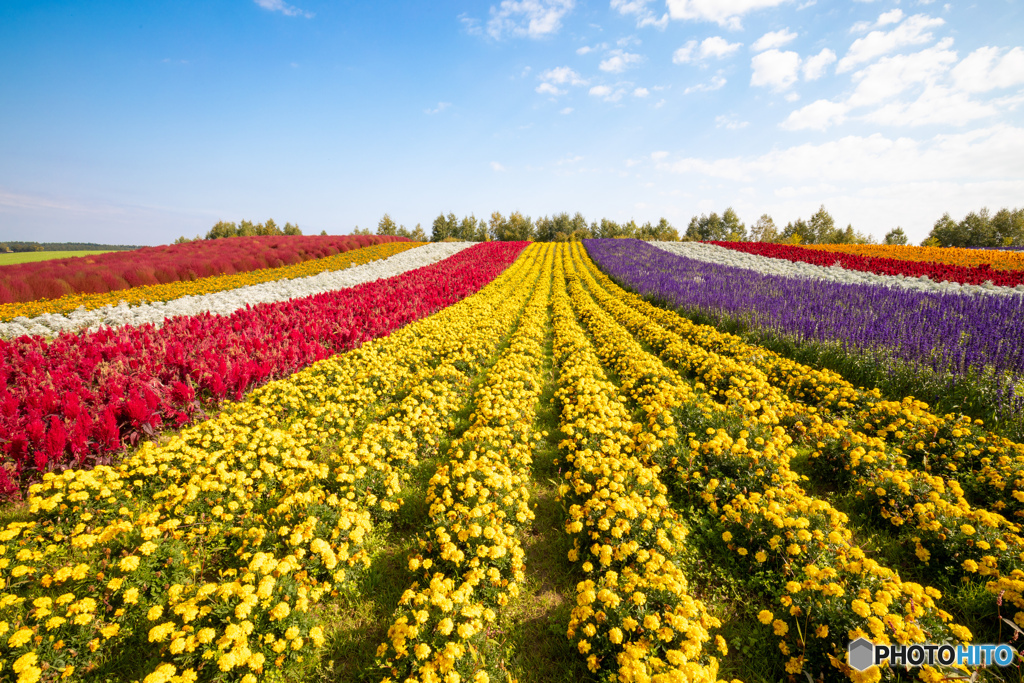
<point>567,110</point>
<point>987,153</point>
<point>714,47</point>
<point>584,50</point>
<point>775,68</point>
<point>890,77</point>
<point>684,54</point>
<point>717,82</point>
<point>817,115</point>
<point>641,92</point>
<point>659,155</point>
<point>913,31</point>
<point>560,75</point>
<point>937,104</point>
<point>730,123</point>
<point>644,15</point>
<point>441,106</point>
<point>890,17</point>
<point>619,61</point>
<point>608,93</point>
<point>725,13</point>
<point>284,8</point>
<point>814,67</point>
<point>773,39</point>
<point>497,167</point>
<point>528,18</point>
<point>980,71</point>
<point>717,47</point>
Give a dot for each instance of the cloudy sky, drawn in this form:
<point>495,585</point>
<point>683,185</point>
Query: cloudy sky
<point>132,122</point>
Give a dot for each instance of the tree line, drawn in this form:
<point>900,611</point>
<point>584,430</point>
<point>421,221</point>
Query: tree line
<point>979,229</point>
<point>18,247</point>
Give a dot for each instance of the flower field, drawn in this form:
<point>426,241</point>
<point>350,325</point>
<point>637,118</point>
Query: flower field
<point>511,468</point>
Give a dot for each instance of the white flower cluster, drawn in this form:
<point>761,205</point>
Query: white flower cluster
<point>229,301</point>
<point>766,265</point>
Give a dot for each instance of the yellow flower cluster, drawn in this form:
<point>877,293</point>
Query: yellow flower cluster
<point>737,467</point>
<point>203,285</point>
<point>471,560</point>
<point>907,464</point>
<point>214,545</point>
<point>634,618</point>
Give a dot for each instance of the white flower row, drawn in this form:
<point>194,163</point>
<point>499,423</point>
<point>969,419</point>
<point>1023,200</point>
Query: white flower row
<point>712,253</point>
<point>229,301</point>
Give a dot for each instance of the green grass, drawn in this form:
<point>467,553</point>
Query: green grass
<point>34,256</point>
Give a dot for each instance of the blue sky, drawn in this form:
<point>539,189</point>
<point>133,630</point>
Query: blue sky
<point>131,122</point>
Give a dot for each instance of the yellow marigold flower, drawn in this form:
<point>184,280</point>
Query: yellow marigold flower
<point>780,627</point>
<point>821,631</point>
<point>970,565</point>
<point>765,616</point>
<point>19,638</point>
<point>280,611</point>
<point>760,556</point>
<point>129,564</point>
<point>967,529</point>
<point>162,674</point>
<point>726,536</point>
<point>481,677</point>
<point>291,633</point>
<point>155,612</point>
<point>422,651</point>
<point>861,608</point>
<point>583,646</point>
<point>793,586</point>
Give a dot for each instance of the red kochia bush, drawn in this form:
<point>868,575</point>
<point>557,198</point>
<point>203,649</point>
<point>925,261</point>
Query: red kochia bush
<point>968,275</point>
<point>74,401</point>
<point>171,263</point>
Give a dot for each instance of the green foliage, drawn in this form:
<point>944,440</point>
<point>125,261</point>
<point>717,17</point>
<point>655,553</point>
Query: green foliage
<point>764,230</point>
<point>247,228</point>
<point>386,226</point>
<point>16,246</point>
<point>979,229</point>
<point>895,236</point>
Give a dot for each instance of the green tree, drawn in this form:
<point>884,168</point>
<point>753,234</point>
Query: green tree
<point>497,227</point>
<point>222,229</point>
<point>607,229</point>
<point>268,228</point>
<point>895,236</point>
<point>444,227</point>
<point>544,230</point>
<point>520,228</point>
<point>417,234</point>
<point>290,229</point>
<point>323,233</point>
<point>1008,227</point>
<point>797,232</point>
<point>821,228</point>
<point>764,230</point>
<point>246,229</point>
<point>735,230</point>
<point>706,228</point>
<point>948,233</point>
<point>386,226</point>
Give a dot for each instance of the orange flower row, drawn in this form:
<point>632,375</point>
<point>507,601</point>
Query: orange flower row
<point>971,258</point>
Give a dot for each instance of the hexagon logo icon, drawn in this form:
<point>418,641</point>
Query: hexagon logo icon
<point>861,654</point>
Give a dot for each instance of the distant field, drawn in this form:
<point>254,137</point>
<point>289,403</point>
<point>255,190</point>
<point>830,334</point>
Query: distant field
<point>33,256</point>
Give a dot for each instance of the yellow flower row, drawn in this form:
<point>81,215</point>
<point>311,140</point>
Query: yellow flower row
<point>930,510</point>
<point>213,546</point>
<point>972,258</point>
<point>737,466</point>
<point>471,560</point>
<point>635,617</point>
<point>203,285</point>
